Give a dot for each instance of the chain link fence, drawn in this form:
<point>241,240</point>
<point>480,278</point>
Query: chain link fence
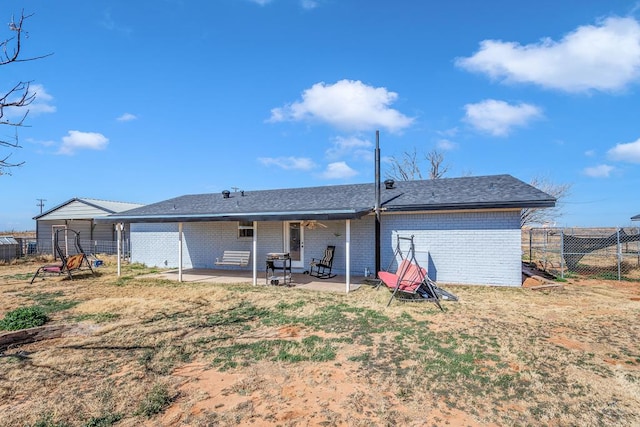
<point>107,247</point>
<point>602,253</point>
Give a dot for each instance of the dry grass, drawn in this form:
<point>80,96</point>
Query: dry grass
<point>152,352</point>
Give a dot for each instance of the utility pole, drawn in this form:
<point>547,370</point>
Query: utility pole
<point>41,203</point>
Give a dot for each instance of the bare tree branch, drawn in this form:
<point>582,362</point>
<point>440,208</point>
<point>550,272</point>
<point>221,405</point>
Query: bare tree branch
<point>408,168</point>
<point>12,46</point>
<point>545,216</point>
<point>437,168</point>
<point>19,95</point>
<point>405,169</point>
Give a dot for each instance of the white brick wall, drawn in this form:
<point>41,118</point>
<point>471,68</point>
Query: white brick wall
<point>362,238</point>
<point>462,248</point>
<point>156,245</point>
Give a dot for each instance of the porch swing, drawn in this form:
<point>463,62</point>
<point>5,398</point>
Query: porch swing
<point>68,263</point>
<point>410,282</point>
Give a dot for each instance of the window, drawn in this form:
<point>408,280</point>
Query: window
<point>245,229</point>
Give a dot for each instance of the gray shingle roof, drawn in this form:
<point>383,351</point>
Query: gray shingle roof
<point>344,201</point>
<point>635,218</point>
<point>106,206</point>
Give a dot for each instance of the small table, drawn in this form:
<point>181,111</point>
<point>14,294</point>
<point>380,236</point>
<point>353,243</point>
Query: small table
<point>278,261</point>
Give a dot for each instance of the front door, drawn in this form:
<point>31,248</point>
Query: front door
<point>294,243</point>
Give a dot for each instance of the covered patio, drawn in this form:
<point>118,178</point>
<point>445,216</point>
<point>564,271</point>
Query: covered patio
<point>298,280</point>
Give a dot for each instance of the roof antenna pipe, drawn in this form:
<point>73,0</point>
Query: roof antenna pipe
<point>377,205</point>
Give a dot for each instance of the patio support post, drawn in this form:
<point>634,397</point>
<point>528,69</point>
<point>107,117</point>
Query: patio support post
<point>347,251</point>
<point>119,227</point>
<point>255,249</point>
<point>179,252</point>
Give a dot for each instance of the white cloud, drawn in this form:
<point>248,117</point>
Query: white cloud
<point>77,140</point>
<point>127,117</point>
<point>347,105</point>
<point>590,153</point>
<point>338,170</point>
<point>354,146</point>
<point>305,4</point>
<point>629,152</point>
<point>42,103</point>
<point>309,4</point>
<point>498,117</point>
<point>448,133</point>
<point>110,24</point>
<point>600,171</point>
<point>288,163</point>
<point>604,57</point>
<point>43,143</point>
<point>446,145</point>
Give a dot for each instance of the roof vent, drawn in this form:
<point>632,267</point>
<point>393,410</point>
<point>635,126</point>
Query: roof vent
<point>388,184</point>
<point>226,194</point>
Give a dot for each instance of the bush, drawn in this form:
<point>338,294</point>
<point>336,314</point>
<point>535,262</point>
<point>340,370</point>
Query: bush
<point>23,318</point>
<point>156,401</point>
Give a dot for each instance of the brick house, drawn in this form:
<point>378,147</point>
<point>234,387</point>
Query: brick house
<point>466,230</point>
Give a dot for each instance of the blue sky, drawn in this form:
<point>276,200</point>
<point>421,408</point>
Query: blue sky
<point>147,100</point>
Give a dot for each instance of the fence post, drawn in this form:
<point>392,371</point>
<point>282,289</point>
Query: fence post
<point>638,247</point>
<point>544,249</point>
<point>530,245</point>
<point>619,252</point>
<point>562,253</point>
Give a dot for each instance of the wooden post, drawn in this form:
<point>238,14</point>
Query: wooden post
<point>119,227</point>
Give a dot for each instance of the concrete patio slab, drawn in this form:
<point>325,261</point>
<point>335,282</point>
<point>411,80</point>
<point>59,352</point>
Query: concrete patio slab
<point>298,280</point>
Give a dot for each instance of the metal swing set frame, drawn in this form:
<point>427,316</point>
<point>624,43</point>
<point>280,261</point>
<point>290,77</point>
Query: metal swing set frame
<point>68,263</point>
<point>410,282</point>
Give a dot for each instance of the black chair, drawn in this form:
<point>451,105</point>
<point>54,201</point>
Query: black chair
<point>321,268</point>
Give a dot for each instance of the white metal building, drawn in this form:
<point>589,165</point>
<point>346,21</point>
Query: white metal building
<point>80,214</point>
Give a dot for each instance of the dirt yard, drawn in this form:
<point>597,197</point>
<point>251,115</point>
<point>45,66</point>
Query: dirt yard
<point>132,351</point>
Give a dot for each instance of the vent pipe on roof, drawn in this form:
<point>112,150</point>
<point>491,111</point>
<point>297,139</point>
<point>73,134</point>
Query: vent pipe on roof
<point>388,184</point>
<point>377,204</point>
<point>226,194</point>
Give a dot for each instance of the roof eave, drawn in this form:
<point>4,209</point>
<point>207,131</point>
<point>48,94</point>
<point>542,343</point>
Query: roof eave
<point>243,216</point>
<point>472,206</point>
<point>68,202</point>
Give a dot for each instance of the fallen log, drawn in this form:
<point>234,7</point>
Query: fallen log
<point>26,336</point>
<point>558,286</point>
